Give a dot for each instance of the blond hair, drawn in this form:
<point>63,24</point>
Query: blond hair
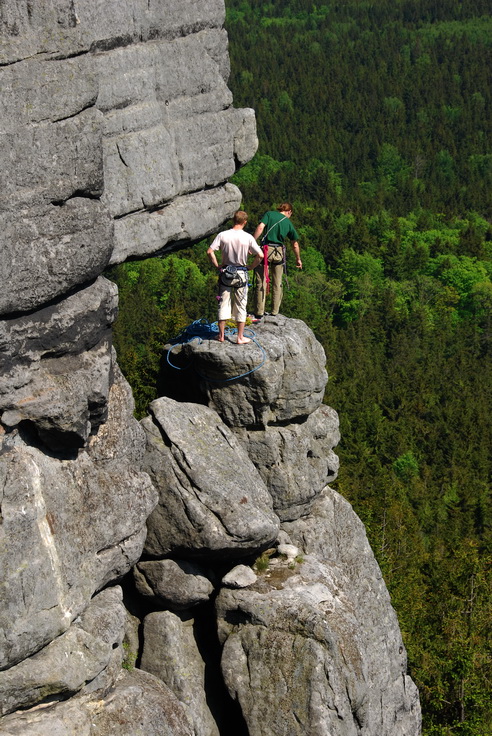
<point>240,217</point>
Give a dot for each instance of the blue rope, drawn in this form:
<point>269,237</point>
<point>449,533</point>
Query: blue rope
<point>202,329</point>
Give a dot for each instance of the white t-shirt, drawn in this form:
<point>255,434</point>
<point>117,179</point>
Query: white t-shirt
<point>236,246</point>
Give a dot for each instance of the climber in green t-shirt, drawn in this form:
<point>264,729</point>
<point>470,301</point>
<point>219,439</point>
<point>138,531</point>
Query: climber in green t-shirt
<point>275,228</point>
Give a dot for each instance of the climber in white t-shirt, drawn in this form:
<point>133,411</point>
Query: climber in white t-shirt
<point>235,246</point>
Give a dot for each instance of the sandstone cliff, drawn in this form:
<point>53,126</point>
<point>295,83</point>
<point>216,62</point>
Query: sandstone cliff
<point>118,137</point>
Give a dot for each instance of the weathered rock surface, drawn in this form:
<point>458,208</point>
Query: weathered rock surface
<point>171,653</point>
<point>68,527</point>
<point>158,231</point>
<point>64,30</point>
<point>111,115</point>
<point>299,661</point>
<point>213,502</point>
<point>296,461</point>
<point>335,535</point>
<point>75,658</point>
<point>48,250</point>
<point>138,705</point>
<point>177,584</point>
<point>240,576</point>
<point>56,366</point>
<point>288,387</point>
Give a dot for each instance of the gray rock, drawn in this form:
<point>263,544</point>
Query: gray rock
<point>138,705</point>
<point>141,705</point>
<point>334,533</point>
<point>336,536</point>
<point>296,461</point>
<point>178,584</point>
<point>57,29</point>
<point>65,398</point>
<point>289,551</point>
<point>47,169</point>
<point>213,502</point>
<point>298,660</point>
<point>120,441</point>
<point>175,225</point>
<point>72,325</point>
<point>48,250</point>
<point>287,387</point>
<point>69,527</point>
<point>240,576</point>
<point>215,43</point>
<point>56,365</point>
<point>44,91</point>
<point>170,653</point>
<point>69,662</point>
<point>100,124</point>
<point>175,88</point>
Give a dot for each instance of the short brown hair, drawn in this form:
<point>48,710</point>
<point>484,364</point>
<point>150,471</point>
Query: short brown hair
<point>284,207</point>
<point>240,217</point>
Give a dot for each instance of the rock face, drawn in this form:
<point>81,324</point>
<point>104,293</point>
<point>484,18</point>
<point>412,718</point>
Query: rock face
<point>131,601</point>
<point>213,501</point>
<point>296,649</point>
<point>69,526</point>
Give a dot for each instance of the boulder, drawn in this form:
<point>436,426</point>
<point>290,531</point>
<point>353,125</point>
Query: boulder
<point>178,584</point>
<point>279,377</point>
<point>213,502</point>
<point>240,576</point>
<point>170,653</point>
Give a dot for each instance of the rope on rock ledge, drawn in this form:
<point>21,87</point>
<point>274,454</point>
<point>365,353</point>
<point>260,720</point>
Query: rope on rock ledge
<point>202,329</point>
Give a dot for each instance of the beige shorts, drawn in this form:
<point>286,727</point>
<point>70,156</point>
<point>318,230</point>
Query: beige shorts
<point>233,303</point>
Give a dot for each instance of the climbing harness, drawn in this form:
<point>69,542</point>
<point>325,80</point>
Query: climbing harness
<point>233,276</point>
<point>202,329</point>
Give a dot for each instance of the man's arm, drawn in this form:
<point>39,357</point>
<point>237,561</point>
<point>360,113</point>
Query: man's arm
<point>212,257</point>
<point>259,230</point>
<point>256,262</point>
<point>297,251</point>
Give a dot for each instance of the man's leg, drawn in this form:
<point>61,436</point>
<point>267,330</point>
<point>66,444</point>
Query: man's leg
<point>224,310</point>
<point>240,300</point>
<point>276,272</point>
<point>260,291</point>
<point>241,340</point>
<point>221,324</point>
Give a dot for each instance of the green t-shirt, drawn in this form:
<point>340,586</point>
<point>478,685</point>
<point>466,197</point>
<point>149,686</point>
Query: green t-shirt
<point>278,227</point>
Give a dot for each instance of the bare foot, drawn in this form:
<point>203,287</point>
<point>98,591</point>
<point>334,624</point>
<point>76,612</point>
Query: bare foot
<point>242,340</point>
<point>220,339</point>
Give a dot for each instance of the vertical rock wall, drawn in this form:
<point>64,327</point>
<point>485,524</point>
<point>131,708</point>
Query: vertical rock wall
<point>117,138</point>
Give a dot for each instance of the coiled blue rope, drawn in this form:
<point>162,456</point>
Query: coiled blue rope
<point>202,329</point>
